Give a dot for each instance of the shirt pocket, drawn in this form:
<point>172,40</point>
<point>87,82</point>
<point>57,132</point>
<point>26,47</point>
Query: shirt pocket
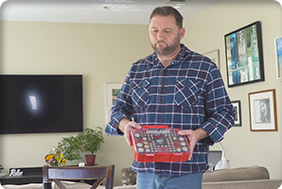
<point>140,93</point>
<point>186,93</point>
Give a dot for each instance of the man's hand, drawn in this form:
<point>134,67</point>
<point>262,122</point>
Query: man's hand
<point>126,126</point>
<point>193,137</point>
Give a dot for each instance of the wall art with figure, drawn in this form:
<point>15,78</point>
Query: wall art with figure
<point>263,113</point>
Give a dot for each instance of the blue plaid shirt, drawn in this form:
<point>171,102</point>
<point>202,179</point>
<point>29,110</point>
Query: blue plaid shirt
<point>187,94</point>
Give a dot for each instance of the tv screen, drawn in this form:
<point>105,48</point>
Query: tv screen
<point>41,103</point>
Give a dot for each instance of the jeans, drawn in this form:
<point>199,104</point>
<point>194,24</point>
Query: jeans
<point>151,181</point>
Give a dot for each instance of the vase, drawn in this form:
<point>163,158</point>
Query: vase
<point>90,159</point>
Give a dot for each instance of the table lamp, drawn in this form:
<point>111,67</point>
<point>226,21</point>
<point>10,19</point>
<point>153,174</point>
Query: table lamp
<point>223,162</point>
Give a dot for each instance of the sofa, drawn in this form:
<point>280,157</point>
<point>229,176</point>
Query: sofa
<point>254,177</point>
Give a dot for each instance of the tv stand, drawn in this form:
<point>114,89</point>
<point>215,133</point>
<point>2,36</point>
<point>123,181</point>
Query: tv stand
<point>30,175</point>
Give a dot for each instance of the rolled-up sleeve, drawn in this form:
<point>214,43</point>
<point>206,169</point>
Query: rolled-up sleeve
<point>220,110</point>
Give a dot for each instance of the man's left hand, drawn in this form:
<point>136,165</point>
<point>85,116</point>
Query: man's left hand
<point>193,137</point>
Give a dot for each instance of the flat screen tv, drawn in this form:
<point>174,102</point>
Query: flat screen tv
<point>41,103</point>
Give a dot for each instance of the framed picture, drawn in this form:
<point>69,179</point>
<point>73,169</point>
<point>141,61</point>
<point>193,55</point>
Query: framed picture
<point>112,90</point>
<point>244,57</point>
<point>278,52</point>
<point>263,114</point>
<point>237,106</point>
<point>214,56</point>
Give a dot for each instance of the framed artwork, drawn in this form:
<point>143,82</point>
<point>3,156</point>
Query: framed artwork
<point>263,114</point>
<point>112,90</point>
<point>237,106</point>
<point>244,57</point>
<point>214,56</point>
<point>278,52</point>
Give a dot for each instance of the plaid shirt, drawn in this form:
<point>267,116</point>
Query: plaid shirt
<point>187,94</point>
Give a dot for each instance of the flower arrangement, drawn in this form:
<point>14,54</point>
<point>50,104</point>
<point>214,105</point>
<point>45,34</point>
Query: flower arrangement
<point>55,157</point>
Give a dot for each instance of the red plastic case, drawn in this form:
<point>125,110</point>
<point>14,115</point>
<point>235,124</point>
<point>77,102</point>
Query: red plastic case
<point>159,144</point>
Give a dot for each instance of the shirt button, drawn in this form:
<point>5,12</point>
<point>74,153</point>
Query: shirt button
<point>159,120</point>
<point>188,84</point>
<point>163,85</point>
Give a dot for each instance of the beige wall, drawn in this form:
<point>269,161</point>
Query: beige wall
<point>205,33</point>
<point>104,53</point>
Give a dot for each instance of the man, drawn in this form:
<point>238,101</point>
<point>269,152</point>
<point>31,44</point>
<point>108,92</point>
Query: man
<point>179,88</point>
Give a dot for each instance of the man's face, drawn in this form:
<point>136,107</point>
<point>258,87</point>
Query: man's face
<point>263,108</point>
<point>165,35</point>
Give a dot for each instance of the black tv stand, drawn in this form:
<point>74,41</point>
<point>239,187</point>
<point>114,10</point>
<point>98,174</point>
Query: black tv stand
<point>30,175</point>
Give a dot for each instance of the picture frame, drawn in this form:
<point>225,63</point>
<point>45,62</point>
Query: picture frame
<point>112,90</point>
<point>244,55</point>
<point>262,109</point>
<point>278,53</point>
<point>214,56</point>
<point>237,105</point>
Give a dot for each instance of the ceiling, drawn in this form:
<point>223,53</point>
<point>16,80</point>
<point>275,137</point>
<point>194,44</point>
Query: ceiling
<point>93,11</point>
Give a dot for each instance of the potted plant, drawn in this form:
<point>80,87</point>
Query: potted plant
<point>89,141</point>
<point>70,148</point>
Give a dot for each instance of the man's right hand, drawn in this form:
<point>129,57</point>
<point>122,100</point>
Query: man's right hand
<point>126,126</point>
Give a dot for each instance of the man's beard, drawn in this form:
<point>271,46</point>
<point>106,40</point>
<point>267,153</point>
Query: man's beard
<point>165,51</point>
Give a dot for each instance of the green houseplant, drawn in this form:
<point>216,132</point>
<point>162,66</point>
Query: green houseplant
<point>70,148</point>
<point>88,141</point>
<point>91,141</point>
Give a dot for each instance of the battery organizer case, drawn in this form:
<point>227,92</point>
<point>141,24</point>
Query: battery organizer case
<point>159,144</point>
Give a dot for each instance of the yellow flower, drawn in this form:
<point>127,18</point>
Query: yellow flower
<point>61,157</point>
<point>50,156</point>
<point>64,162</point>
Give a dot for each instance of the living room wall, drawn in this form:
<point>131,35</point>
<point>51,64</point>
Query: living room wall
<point>103,53</point>
<point>205,33</point>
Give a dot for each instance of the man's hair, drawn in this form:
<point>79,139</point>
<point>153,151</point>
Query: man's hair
<point>167,11</point>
